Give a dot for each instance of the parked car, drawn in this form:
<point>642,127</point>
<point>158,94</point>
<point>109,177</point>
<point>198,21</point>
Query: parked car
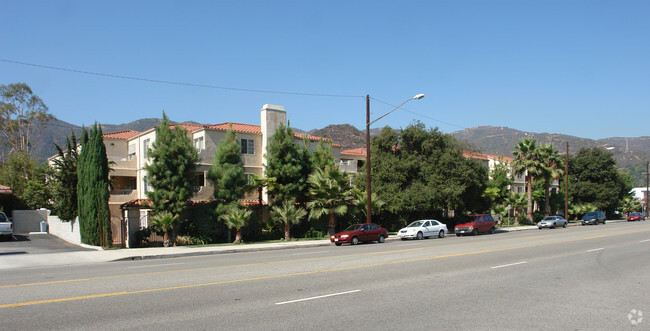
<point>6,227</point>
<point>356,233</point>
<point>552,222</point>
<point>635,217</point>
<point>423,229</point>
<point>479,223</point>
<point>594,217</point>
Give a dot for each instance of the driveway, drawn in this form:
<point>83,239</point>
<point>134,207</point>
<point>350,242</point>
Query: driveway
<point>37,244</point>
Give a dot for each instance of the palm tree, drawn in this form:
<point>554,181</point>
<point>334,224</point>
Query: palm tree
<point>499,210</point>
<point>236,218</point>
<point>551,169</point>
<point>164,222</point>
<point>361,203</point>
<point>288,213</point>
<point>329,190</point>
<point>517,202</point>
<point>527,162</point>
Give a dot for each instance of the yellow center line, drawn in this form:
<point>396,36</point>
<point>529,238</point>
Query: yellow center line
<point>103,295</point>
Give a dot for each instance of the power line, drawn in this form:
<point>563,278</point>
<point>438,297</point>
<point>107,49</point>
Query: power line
<point>425,116</point>
<point>179,83</point>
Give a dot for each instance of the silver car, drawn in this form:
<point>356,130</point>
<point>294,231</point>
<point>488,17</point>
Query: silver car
<point>552,222</point>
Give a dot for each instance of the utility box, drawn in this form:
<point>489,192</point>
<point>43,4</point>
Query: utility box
<point>43,226</point>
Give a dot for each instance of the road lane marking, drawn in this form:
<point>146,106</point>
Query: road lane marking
<point>310,253</point>
<point>595,249</point>
<point>154,265</point>
<point>292,274</point>
<point>296,260</point>
<point>317,297</point>
<point>642,241</point>
<point>508,265</point>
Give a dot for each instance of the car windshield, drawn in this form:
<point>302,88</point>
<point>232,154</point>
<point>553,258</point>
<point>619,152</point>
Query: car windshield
<point>415,224</point>
<point>636,214</point>
<point>353,227</point>
<point>548,218</point>
<point>590,214</point>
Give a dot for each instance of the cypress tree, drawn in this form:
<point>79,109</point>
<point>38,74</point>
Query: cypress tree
<point>92,190</point>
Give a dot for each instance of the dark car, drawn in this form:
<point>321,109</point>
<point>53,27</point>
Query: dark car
<point>635,217</point>
<point>479,223</point>
<point>594,217</point>
<point>356,233</point>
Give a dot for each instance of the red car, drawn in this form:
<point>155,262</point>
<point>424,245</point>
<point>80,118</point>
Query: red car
<point>635,217</point>
<point>365,232</point>
<point>479,223</point>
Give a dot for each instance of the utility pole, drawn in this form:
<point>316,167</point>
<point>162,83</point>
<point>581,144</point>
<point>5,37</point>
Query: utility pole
<point>566,184</point>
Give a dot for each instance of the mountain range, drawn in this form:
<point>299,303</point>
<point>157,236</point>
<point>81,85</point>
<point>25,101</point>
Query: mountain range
<point>631,154</point>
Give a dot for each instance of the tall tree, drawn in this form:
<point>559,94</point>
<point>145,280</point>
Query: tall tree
<point>527,162</point>
<point>23,116</point>
<point>16,171</point>
<point>172,169</point>
<point>594,179</point>
<point>65,179</point>
<point>227,170</point>
<point>518,202</point>
<point>288,213</point>
<point>552,167</point>
<point>289,165</point>
<point>329,189</point>
<point>322,155</point>
<point>93,189</point>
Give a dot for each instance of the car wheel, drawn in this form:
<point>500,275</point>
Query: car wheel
<point>337,244</point>
<point>564,226</point>
<point>604,222</point>
<point>355,240</point>
<point>457,234</point>
<point>381,239</point>
<point>540,228</point>
<point>475,232</point>
<point>420,236</point>
<point>403,238</point>
<point>554,225</point>
<point>492,230</point>
<point>441,234</point>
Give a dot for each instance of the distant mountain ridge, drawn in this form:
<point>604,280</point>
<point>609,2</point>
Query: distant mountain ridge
<point>629,153</point>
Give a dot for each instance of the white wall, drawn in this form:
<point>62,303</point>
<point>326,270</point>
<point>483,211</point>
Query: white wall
<point>68,231</point>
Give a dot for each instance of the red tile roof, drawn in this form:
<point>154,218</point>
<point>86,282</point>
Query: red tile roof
<point>486,157</point>
<point>237,127</point>
<point>123,135</point>
<point>354,152</point>
<point>314,138</point>
<point>5,190</point>
<point>145,203</point>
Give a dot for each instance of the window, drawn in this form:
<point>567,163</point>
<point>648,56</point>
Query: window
<point>198,144</point>
<point>145,148</point>
<point>145,185</point>
<point>131,151</point>
<point>427,223</point>
<point>519,189</point>
<point>248,146</point>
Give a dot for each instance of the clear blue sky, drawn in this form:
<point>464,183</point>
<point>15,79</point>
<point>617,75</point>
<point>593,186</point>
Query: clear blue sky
<point>571,67</point>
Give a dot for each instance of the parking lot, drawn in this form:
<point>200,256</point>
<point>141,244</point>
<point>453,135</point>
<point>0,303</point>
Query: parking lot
<point>23,243</point>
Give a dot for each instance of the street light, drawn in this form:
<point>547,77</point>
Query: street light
<point>368,191</point>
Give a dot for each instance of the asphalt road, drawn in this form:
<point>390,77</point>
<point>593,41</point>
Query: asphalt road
<point>580,278</point>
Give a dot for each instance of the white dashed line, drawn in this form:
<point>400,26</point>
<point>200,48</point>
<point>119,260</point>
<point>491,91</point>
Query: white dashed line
<point>318,297</point>
<point>508,265</point>
<point>595,249</point>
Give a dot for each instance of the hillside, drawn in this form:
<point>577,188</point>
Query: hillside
<point>630,154</point>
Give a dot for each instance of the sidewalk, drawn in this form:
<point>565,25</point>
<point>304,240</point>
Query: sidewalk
<point>101,256</point>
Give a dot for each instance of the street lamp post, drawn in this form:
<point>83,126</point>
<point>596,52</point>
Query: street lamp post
<point>368,122</point>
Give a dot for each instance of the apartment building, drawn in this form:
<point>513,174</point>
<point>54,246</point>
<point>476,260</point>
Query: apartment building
<point>128,152</point>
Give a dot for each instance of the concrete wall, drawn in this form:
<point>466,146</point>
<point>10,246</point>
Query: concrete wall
<point>26,221</point>
<point>68,231</point>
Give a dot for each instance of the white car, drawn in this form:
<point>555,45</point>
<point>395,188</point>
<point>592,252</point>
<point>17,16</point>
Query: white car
<point>423,229</point>
<point>552,222</point>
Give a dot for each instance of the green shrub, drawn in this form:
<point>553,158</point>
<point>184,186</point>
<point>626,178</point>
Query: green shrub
<point>141,238</point>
